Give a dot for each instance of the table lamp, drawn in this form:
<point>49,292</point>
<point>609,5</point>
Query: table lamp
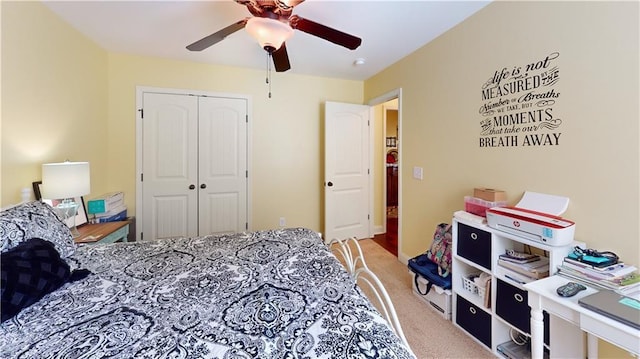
<point>66,181</point>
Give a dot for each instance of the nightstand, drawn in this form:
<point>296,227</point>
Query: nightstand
<point>108,232</point>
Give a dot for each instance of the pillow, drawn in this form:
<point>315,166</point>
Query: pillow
<point>30,270</point>
<point>34,220</point>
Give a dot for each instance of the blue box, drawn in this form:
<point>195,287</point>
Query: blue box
<point>121,216</point>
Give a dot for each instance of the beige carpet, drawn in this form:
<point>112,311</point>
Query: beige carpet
<point>428,333</point>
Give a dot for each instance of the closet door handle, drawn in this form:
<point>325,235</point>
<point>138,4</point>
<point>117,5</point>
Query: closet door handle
<point>203,186</point>
<point>192,186</point>
<point>330,184</point>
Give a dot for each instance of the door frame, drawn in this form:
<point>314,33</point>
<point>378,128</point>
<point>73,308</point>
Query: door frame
<point>140,90</point>
<point>380,100</point>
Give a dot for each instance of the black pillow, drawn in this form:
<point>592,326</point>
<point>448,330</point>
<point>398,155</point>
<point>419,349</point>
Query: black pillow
<point>30,271</point>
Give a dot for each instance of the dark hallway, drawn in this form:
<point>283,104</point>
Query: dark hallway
<point>389,240</point>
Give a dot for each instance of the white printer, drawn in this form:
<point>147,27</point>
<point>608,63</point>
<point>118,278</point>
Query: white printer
<point>525,221</point>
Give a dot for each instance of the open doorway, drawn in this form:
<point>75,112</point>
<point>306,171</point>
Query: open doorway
<point>389,174</point>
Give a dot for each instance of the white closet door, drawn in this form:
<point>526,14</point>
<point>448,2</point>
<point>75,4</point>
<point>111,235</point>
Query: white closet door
<point>222,165</point>
<point>170,165</point>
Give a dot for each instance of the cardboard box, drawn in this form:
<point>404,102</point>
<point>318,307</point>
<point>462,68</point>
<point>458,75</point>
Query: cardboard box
<point>490,194</point>
<point>105,203</point>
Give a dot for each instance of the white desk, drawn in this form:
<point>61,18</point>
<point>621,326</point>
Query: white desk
<point>542,296</point>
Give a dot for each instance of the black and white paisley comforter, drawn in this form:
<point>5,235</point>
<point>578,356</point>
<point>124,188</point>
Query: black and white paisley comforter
<point>269,294</point>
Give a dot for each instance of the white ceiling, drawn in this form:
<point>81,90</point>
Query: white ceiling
<point>390,30</point>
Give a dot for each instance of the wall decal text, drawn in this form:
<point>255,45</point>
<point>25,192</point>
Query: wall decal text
<point>517,105</point>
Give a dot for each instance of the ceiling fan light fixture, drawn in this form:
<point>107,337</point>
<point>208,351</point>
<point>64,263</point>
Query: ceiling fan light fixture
<point>287,4</point>
<point>268,32</point>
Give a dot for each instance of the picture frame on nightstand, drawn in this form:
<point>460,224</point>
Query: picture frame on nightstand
<point>81,216</point>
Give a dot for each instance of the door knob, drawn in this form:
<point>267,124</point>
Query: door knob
<point>192,186</point>
<point>203,186</point>
<point>330,184</point>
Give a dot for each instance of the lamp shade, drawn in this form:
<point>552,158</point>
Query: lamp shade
<point>268,32</point>
<point>65,180</point>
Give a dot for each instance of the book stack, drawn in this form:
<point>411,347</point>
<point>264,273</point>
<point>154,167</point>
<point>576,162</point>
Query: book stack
<point>618,276</point>
<point>109,207</point>
<point>524,267</point>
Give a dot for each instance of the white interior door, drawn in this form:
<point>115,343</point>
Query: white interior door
<point>222,165</point>
<point>347,170</point>
<point>170,165</point>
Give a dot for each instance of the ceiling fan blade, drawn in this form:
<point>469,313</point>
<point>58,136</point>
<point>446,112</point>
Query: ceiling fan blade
<point>337,37</point>
<point>281,59</point>
<point>217,36</point>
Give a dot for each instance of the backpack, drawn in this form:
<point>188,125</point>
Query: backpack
<point>440,251</point>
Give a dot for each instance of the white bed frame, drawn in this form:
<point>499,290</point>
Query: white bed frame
<point>353,260</point>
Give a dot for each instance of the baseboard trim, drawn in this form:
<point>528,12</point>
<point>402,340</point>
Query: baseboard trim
<point>403,258</point>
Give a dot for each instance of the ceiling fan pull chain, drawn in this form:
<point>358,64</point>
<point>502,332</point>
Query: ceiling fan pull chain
<point>269,71</point>
<point>268,58</point>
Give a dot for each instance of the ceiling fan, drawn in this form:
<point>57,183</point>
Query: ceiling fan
<point>272,24</point>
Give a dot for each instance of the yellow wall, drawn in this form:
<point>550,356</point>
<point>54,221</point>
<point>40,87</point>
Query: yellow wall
<point>67,98</point>
<point>392,123</point>
<point>597,162</point>
<point>64,97</point>
<point>287,147</point>
<point>54,98</point>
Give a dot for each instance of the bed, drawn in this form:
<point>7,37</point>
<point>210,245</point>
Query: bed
<point>265,294</point>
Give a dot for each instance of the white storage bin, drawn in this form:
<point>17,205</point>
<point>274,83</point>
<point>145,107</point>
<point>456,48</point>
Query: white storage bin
<point>437,299</point>
<point>469,285</point>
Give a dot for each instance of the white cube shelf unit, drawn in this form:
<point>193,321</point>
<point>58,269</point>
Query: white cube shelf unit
<point>492,321</point>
